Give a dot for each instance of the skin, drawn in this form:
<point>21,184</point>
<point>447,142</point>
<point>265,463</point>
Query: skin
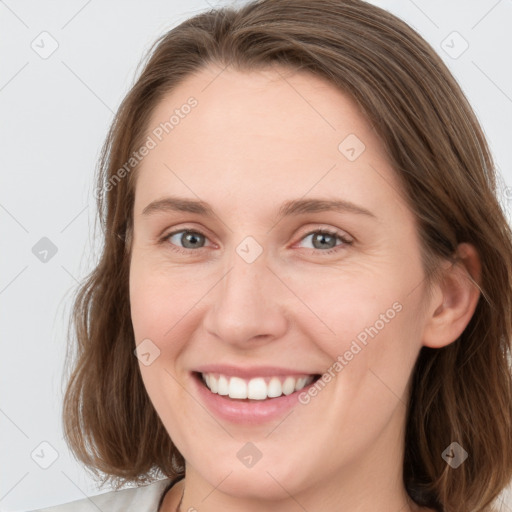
<point>254,141</point>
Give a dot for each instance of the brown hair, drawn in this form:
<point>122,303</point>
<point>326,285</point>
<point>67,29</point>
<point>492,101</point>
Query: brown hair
<point>462,392</point>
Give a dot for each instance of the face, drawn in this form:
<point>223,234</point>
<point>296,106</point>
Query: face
<point>258,291</point>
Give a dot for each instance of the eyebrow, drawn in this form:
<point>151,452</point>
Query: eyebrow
<point>288,208</point>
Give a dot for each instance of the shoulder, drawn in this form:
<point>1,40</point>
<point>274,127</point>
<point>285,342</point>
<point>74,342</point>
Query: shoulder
<point>136,499</point>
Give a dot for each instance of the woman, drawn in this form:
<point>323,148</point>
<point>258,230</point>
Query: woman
<point>304,296</point>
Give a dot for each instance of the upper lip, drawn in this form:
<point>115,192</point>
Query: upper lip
<point>248,372</point>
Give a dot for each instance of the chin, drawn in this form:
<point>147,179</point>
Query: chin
<point>262,481</point>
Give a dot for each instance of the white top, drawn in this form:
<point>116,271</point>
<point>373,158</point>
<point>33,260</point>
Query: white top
<point>136,499</point>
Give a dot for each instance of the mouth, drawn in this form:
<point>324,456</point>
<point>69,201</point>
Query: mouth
<point>256,389</point>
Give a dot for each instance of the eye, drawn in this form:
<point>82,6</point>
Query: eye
<point>189,238</point>
<point>324,240</point>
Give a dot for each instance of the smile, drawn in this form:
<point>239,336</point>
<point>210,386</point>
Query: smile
<point>250,395</point>
<point>258,388</point>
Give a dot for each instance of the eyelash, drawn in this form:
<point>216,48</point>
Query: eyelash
<point>336,234</point>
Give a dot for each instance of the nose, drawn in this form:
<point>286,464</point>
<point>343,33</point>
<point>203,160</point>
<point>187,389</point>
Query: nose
<point>248,305</point>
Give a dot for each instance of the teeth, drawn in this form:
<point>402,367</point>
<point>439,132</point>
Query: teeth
<point>289,385</point>
<point>222,385</point>
<point>258,388</point>
<point>300,383</point>
<point>237,388</point>
<point>274,388</point>
<point>213,384</point>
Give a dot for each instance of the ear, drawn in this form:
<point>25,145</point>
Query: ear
<point>454,299</point>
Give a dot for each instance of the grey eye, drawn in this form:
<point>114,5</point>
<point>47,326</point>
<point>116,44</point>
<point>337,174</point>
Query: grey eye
<point>188,239</point>
<point>323,240</point>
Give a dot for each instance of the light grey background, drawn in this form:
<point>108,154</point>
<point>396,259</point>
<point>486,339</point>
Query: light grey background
<point>55,113</point>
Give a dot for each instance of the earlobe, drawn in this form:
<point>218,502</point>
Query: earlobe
<point>455,299</point>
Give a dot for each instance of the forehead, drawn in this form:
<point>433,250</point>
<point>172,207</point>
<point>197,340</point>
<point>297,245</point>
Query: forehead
<point>295,105</point>
<point>259,132</point>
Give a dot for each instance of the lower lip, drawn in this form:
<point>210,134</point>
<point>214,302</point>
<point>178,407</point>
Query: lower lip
<point>246,412</point>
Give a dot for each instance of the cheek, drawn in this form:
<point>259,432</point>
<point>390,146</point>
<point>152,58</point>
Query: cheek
<point>160,299</point>
<point>338,306</point>
<point>161,308</point>
<point>367,321</point>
